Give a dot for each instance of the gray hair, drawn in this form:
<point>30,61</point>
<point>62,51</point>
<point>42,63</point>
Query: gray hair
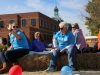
<point>64,24</point>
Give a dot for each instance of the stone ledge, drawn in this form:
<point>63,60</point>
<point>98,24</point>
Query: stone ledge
<point>86,61</point>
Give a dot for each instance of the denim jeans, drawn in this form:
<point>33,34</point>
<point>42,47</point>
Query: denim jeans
<point>12,55</point>
<point>71,52</point>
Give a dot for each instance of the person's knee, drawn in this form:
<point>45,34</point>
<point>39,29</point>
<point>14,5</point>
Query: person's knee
<point>69,51</point>
<point>56,52</point>
<point>6,53</point>
<point>1,54</point>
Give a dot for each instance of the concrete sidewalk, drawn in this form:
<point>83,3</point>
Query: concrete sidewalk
<point>58,73</point>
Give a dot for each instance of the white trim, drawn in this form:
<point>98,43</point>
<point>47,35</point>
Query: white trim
<point>91,37</point>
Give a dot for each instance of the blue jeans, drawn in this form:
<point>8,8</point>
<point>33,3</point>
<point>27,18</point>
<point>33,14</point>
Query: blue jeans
<point>12,55</point>
<point>71,52</point>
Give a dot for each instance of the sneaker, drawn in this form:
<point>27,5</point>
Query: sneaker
<point>50,69</point>
<point>73,69</point>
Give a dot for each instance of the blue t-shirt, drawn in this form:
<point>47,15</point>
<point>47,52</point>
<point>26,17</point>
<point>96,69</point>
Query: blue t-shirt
<point>64,39</point>
<point>38,46</point>
<point>19,43</point>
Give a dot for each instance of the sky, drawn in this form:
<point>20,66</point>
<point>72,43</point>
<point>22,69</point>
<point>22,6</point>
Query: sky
<point>71,11</point>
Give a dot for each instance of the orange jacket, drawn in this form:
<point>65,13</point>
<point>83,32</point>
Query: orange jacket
<point>99,40</point>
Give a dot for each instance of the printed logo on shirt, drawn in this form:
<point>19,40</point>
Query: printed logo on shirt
<point>63,38</point>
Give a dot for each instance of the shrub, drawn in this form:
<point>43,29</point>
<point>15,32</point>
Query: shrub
<point>3,47</point>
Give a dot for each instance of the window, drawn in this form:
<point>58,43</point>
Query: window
<point>52,26</point>
<point>33,22</point>
<point>41,22</point>
<point>4,41</point>
<point>2,24</point>
<point>55,27</point>
<point>44,36</point>
<point>23,22</point>
<point>47,24</point>
<point>93,40</point>
<point>32,36</point>
<point>44,23</point>
<point>88,40</point>
<point>11,21</point>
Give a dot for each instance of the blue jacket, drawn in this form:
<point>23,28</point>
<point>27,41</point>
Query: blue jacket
<point>38,46</point>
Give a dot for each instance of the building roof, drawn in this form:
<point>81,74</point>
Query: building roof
<point>91,37</point>
<point>56,15</point>
<point>58,19</point>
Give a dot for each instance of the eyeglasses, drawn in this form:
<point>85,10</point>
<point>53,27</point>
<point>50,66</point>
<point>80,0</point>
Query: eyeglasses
<point>61,28</point>
<point>15,26</point>
<point>73,27</point>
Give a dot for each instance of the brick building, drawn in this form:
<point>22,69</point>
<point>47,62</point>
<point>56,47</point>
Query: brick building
<point>29,23</point>
<point>91,40</point>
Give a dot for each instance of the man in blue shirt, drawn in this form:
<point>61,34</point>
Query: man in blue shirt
<point>63,43</point>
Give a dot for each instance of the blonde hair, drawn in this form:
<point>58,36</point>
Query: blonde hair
<point>76,25</point>
<point>38,35</point>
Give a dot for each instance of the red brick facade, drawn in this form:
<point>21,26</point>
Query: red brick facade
<point>30,23</point>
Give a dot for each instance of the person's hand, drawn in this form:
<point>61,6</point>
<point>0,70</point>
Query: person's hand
<point>10,27</point>
<point>63,50</point>
<point>10,48</point>
<point>56,48</point>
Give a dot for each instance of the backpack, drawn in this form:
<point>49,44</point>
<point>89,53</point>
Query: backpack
<point>29,43</point>
<point>89,50</point>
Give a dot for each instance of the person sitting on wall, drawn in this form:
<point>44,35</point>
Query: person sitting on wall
<point>66,41</point>
<point>38,45</point>
<point>79,37</point>
<point>16,50</point>
<point>96,46</point>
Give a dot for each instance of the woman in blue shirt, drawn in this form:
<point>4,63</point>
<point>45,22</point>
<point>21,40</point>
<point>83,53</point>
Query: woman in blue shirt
<point>16,50</point>
<point>38,45</point>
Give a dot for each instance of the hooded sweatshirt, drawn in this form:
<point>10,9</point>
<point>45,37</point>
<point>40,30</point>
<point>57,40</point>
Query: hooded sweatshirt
<point>79,39</point>
<point>39,46</point>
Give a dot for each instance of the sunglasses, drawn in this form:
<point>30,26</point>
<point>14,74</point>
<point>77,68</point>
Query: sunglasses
<point>73,27</point>
<point>15,26</point>
<point>61,28</point>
